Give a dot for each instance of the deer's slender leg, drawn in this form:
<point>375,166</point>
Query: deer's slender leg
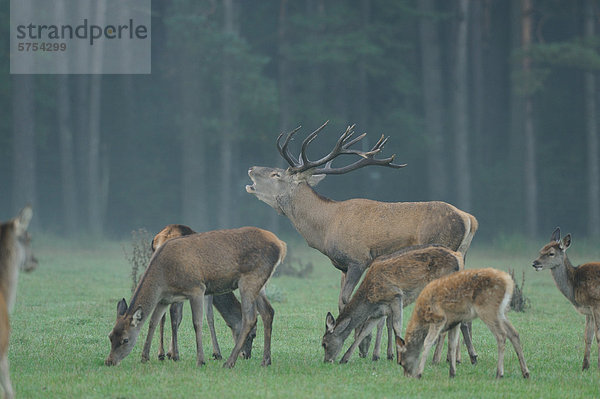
<point>453,337</point>
<point>266,314</point>
<point>432,335</point>
<point>197,305</point>
<point>466,329</point>
<point>210,319</point>
<point>176,313</point>
<point>365,330</point>
<point>248,296</point>
<point>377,347</point>
<point>439,346</point>
<point>154,320</point>
<point>513,335</point>
<point>161,343</point>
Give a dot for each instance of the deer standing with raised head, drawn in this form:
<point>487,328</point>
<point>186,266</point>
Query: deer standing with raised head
<point>391,283</point>
<point>353,233</point>
<point>189,267</point>
<point>15,255</point>
<point>580,285</point>
<point>227,305</point>
<point>448,301</point>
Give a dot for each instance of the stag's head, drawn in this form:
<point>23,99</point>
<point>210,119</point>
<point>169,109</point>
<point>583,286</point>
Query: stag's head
<point>124,334</point>
<point>554,253</point>
<point>275,186</point>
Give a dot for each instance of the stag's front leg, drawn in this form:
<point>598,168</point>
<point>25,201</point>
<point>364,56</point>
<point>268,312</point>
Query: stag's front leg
<point>210,319</point>
<point>466,329</point>
<point>394,322</point>
<point>248,297</point>
<point>197,304</point>
<point>430,339</point>
<point>158,313</point>
<point>377,347</point>
<point>596,321</point>
<point>366,329</point>
<point>161,341</point>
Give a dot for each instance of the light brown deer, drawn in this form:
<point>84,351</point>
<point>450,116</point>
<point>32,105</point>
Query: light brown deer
<point>580,285</point>
<point>448,301</point>
<point>192,266</point>
<point>391,283</point>
<point>353,233</point>
<point>15,254</point>
<point>227,305</point>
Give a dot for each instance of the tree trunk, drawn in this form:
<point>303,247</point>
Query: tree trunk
<point>461,103</point>
<point>433,99</point>
<point>24,176</point>
<point>229,119</point>
<point>592,132</point>
<point>529,161</point>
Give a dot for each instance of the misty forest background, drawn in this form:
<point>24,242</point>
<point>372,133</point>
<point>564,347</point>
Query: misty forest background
<point>492,103</point>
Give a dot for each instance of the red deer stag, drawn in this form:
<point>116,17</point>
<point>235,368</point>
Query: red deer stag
<point>448,301</point>
<point>353,233</point>
<point>391,283</point>
<point>580,285</point>
<point>227,305</point>
<point>189,267</point>
<point>15,254</point>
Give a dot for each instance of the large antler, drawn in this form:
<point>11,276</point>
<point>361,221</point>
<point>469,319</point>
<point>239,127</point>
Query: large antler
<point>342,146</point>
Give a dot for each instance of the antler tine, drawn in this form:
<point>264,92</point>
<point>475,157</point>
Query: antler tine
<point>303,158</point>
<point>283,149</point>
<point>369,160</point>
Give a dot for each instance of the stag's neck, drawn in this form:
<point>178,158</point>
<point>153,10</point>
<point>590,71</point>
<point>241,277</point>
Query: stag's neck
<point>564,278</point>
<point>311,214</point>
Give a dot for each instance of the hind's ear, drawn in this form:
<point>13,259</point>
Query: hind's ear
<point>566,242</point>
<point>329,322</point>
<point>137,317</point>
<point>555,235</point>
<point>22,220</point>
<point>121,307</point>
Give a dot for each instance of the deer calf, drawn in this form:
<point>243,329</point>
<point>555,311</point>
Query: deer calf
<point>445,303</point>
<point>189,267</point>
<point>15,254</point>
<point>580,285</point>
<point>227,305</point>
<point>391,283</point>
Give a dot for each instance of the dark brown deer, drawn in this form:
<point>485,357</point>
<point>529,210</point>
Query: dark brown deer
<point>227,305</point>
<point>15,255</point>
<point>580,285</point>
<point>189,267</point>
<point>353,233</point>
<point>391,283</point>
<point>448,301</point>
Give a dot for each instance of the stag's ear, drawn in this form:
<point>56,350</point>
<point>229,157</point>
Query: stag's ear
<point>121,307</point>
<point>22,220</point>
<point>137,317</point>
<point>329,322</point>
<point>566,242</point>
<point>313,180</point>
<point>556,235</point>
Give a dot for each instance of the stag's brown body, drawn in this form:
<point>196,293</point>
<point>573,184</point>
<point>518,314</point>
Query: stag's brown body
<point>391,283</point>
<point>446,302</point>
<point>580,285</point>
<point>15,255</point>
<point>214,262</point>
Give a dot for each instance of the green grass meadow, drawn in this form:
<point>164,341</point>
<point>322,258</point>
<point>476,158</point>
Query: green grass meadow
<point>66,308</point>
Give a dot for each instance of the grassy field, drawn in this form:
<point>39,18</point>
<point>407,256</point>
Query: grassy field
<point>66,308</point>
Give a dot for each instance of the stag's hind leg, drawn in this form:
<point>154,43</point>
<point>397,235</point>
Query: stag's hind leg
<point>453,337</point>
<point>210,319</point>
<point>588,338</point>
<point>197,305</point>
<point>266,314</point>
<point>596,327</point>
<point>248,296</point>
<point>176,313</point>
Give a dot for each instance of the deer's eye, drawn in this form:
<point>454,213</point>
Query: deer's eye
<point>275,174</point>
<point>551,254</point>
<point>124,341</point>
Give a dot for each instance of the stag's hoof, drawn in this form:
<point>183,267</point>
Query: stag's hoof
<point>200,363</point>
<point>145,359</point>
<point>161,357</point>
<point>173,356</point>
<point>473,359</point>
<point>390,356</point>
<point>586,364</point>
<point>217,356</point>
<point>375,358</point>
<point>228,365</point>
<point>526,375</point>
<point>498,375</point>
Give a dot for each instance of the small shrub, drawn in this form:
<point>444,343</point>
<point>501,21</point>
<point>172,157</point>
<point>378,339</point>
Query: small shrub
<point>141,241</point>
<point>293,266</point>
<point>519,301</point>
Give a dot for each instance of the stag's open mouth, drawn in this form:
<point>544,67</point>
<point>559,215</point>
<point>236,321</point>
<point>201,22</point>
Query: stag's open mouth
<point>251,188</point>
<point>537,268</point>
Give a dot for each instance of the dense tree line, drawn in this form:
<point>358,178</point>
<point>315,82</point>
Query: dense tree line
<point>492,103</point>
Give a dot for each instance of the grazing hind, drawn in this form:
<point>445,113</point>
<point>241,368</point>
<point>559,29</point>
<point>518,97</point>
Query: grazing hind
<point>448,301</point>
<point>580,285</point>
